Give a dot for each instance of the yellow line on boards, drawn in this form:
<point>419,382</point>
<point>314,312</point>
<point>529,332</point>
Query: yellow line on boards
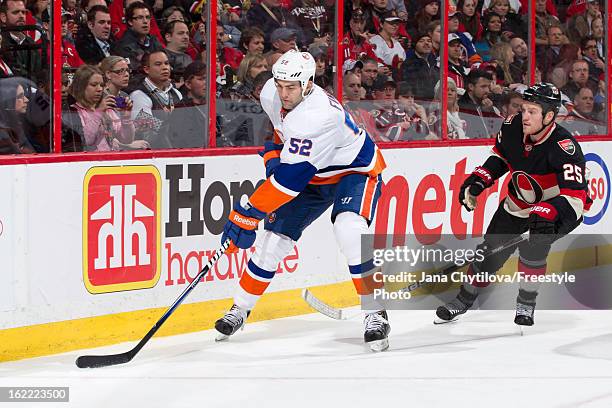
<point>59,337</point>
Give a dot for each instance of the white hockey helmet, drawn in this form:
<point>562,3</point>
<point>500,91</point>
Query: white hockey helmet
<point>295,66</point>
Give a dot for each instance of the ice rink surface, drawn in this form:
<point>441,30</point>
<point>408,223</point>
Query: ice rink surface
<point>565,360</point>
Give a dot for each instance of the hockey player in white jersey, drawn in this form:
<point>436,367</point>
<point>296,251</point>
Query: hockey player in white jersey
<point>319,158</point>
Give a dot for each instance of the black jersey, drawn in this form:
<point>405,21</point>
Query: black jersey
<point>552,169</point>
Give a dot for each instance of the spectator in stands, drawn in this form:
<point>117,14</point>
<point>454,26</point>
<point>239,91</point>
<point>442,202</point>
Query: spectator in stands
<point>428,11</point>
<point>137,40</point>
<point>176,34</point>
<point>466,39</point>
<point>492,34</point>
<point>5,70</point>
<point>118,10</point>
<point>579,25</point>
<point>70,56</point>
<point>368,75</point>
<point>544,21</point>
<point>518,68</point>
<point>597,31</point>
<point>37,7</point>
<point>323,74</point>
<point>503,56</point>
<point>24,60</point>
<point>269,15</point>
<point>351,86</point>
<point>352,101</point>
<point>511,22</point>
<point>117,78</point>
<point>415,123</point>
<point>189,121</point>
<point>174,13</point>
<point>457,69</point>
<point>13,105</point>
<point>316,21</point>
<point>578,79</point>
<point>455,125</point>
<point>283,39</point>
<point>588,46</point>
<point>469,19</point>
<point>476,108</point>
<point>512,103</point>
<point>227,55</point>
<point>93,41</point>
<point>251,41</point>
<point>420,68</point>
<point>249,68</point>
<point>387,49</point>
<point>355,42</point>
<point>101,124</point>
<point>388,120</point>
<point>584,106</point>
<point>154,100</point>
<point>434,29</point>
<point>555,50</point>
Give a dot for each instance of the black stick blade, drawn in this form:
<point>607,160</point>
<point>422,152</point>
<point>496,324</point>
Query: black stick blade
<point>103,361</point>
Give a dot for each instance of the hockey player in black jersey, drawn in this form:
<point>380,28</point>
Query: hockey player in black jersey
<point>547,196</point>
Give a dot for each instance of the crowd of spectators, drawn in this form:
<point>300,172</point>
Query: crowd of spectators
<point>135,71</point>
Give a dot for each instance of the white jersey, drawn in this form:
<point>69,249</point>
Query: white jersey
<point>321,141</point>
<point>386,53</point>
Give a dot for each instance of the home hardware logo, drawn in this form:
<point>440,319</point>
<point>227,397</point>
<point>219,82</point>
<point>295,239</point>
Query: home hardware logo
<point>121,228</point>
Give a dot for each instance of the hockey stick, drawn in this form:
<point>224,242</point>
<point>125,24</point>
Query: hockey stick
<point>121,358</point>
<point>339,314</point>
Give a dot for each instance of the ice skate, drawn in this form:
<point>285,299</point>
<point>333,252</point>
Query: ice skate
<point>233,321</point>
<point>377,330</point>
<point>525,308</point>
<point>456,307</point>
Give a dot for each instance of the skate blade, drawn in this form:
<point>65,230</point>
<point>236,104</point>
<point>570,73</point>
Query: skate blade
<point>437,320</point>
<point>221,337</point>
<point>378,345</point>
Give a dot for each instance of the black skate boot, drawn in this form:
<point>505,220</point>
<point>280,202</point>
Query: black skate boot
<point>458,306</point>
<point>525,307</point>
<point>229,324</point>
<point>377,329</point>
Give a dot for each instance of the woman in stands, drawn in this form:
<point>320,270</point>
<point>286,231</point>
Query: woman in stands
<point>492,35</point>
<point>102,125</point>
<point>469,19</point>
<point>249,68</point>
<point>13,104</point>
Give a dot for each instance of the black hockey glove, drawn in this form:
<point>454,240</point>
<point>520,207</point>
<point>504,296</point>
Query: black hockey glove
<point>542,220</point>
<point>473,186</point>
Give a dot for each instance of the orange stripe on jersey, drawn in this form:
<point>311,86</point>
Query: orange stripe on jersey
<point>379,166</point>
<point>252,285</point>
<point>366,286</point>
<point>368,196</point>
<point>268,198</point>
<point>277,138</point>
<point>272,154</point>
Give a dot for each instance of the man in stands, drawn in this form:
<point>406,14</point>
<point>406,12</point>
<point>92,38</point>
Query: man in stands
<point>476,108</point>
<point>93,41</point>
<point>579,78</point>
<point>24,60</point>
<point>154,100</point>
<point>176,34</point>
<point>137,40</point>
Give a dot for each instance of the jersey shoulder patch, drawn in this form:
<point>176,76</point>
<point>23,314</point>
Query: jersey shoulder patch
<point>509,119</point>
<point>568,146</point>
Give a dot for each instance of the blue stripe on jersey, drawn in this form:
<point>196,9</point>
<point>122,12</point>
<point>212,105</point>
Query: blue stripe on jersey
<point>363,268</point>
<point>257,271</point>
<point>363,159</point>
<point>295,176</point>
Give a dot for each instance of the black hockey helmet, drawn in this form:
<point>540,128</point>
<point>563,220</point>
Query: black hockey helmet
<point>546,95</point>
